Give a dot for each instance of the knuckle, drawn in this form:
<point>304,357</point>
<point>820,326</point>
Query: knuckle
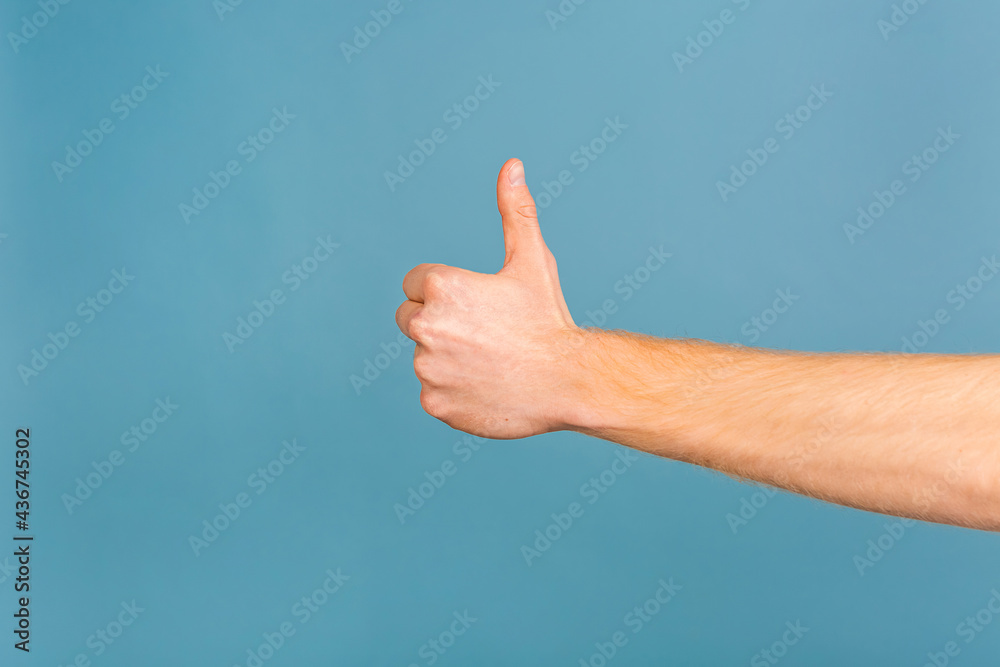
<point>443,284</point>
<point>527,211</point>
<point>432,403</point>
<point>421,366</point>
<point>436,283</point>
<point>551,260</point>
<point>413,273</point>
<point>419,328</point>
<point>400,313</point>
<point>425,267</point>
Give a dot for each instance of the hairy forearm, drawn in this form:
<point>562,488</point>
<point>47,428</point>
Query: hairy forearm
<point>911,435</point>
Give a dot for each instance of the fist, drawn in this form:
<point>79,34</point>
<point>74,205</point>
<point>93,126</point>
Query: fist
<point>493,351</point>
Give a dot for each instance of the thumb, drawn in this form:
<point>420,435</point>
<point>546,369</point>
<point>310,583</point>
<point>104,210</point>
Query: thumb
<point>522,237</point>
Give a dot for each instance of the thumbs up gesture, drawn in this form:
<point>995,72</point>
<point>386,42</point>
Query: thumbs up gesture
<point>494,352</point>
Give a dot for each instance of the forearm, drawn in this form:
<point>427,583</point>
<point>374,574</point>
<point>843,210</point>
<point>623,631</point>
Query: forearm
<point>911,435</point>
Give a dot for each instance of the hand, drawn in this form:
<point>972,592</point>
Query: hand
<point>492,351</point>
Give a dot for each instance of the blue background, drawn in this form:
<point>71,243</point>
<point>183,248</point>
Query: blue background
<point>324,175</point>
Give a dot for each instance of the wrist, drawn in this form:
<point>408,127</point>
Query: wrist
<point>612,381</point>
<point>641,390</point>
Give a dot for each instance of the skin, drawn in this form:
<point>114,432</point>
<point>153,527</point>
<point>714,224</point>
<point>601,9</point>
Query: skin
<point>499,356</point>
